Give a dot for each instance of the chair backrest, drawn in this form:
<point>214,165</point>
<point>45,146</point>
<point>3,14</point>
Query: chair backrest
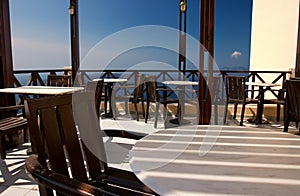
<point>59,80</point>
<point>96,88</point>
<point>236,88</point>
<point>151,86</point>
<point>293,98</point>
<point>54,137</point>
<point>139,83</point>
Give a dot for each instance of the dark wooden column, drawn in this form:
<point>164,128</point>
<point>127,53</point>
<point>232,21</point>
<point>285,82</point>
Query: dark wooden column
<point>74,25</point>
<point>297,67</point>
<point>207,11</point>
<point>182,36</point>
<point>6,62</point>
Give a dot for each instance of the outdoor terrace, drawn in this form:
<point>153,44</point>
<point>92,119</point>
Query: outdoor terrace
<point>13,177</point>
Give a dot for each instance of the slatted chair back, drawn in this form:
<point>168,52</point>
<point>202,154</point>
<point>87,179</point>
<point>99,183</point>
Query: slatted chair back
<point>136,96</point>
<point>292,109</point>
<point>76,153</point>
<point>59,80</point>
<point>96,88</point>
<point>54,137</point>
<point>236,88</point>
<point>236,92</point>
<point>53,134</point>
<point>159,95</point>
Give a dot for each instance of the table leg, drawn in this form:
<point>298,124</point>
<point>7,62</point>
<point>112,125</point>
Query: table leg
<point>260,107</point>
<point>107,100</point>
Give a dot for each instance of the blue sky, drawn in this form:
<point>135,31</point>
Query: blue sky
<point>40,28</point>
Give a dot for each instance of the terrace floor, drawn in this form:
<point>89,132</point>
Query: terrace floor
<point>13,178</point>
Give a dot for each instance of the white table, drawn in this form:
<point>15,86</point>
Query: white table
<point>41,90</point>
<point>260,107</point>
<point>181,85</point>
<point>241,161</point>
<point>108,92</point>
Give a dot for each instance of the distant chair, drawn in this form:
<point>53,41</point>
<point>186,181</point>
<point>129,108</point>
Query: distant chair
<point>279,101</point>
<point>158,95</point>
<point>292,109</point>
<point>59,80</point>
<point>96,87</point>
<point>136,96</point>
<point>10,123</point>
<point>236,93</point>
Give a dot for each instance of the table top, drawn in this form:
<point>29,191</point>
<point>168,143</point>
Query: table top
<point>41,90</point>
<point>218,160</point>
<point>180,82</point>
<point>112,80</point>
<point>262,84</point>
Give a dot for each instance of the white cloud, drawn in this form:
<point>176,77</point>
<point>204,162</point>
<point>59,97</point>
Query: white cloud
<point>236,54</point>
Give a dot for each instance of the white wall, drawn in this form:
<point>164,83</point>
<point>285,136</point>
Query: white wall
<point>274,34</point>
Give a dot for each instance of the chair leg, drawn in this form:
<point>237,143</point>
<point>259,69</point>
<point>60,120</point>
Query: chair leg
<point>2,147</point>
<point>216,113</point>
<point>225,112</point>
<point>235,110</point>
<point>25,139</point>
<point>143,108</point>
<point>136,110</point>
<point>286,123</point>
<point>242,115</point>
<point>147,111</point>
<point>278,112</point>
<point>156,114</point>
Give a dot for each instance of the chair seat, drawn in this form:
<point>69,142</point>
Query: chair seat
<point>12,123</point>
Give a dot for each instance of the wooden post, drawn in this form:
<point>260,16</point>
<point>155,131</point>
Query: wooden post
<point>6,62</point>
<point>74,25</point>
<point>207,11</point>
<point>182,37</point>
<point>297,67</point>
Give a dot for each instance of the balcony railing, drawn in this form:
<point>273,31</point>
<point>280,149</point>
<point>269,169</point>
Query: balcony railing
<point>38,77</point>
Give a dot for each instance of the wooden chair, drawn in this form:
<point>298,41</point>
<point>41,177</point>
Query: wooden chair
<point>292,108</point>
<point>60,153</point>
<point>236,93</point>
<point>136,97</point>
<point>10,124</point>
<point>158,94</point>
<point>96,88</point>
<point>279,101</point>
<point>59,80</point>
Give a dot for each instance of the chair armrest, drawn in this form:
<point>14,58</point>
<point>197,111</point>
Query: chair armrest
<point>12,108</point>
<point>58,182</point>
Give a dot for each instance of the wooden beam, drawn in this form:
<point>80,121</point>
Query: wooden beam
<point>74,25</point>
<point>297,67</point>
<point>207,11</point>
<point>6,62</point>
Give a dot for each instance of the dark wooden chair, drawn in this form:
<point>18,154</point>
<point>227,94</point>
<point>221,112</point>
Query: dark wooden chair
<point>279,101</point>
<point>10,123</point>
<point>158,94</point>
<point>96,88</point>
<point>292,108</point>
<point>63,160</point>
<point>59,80</point>
<point>237,93</point>
<point>133,93</point>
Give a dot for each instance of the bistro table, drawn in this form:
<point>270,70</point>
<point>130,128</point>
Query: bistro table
<point>109,82</point>
<point>181,85</point>
<point>218,160</point>
<point>41,90</point>
<point>263,87</point>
